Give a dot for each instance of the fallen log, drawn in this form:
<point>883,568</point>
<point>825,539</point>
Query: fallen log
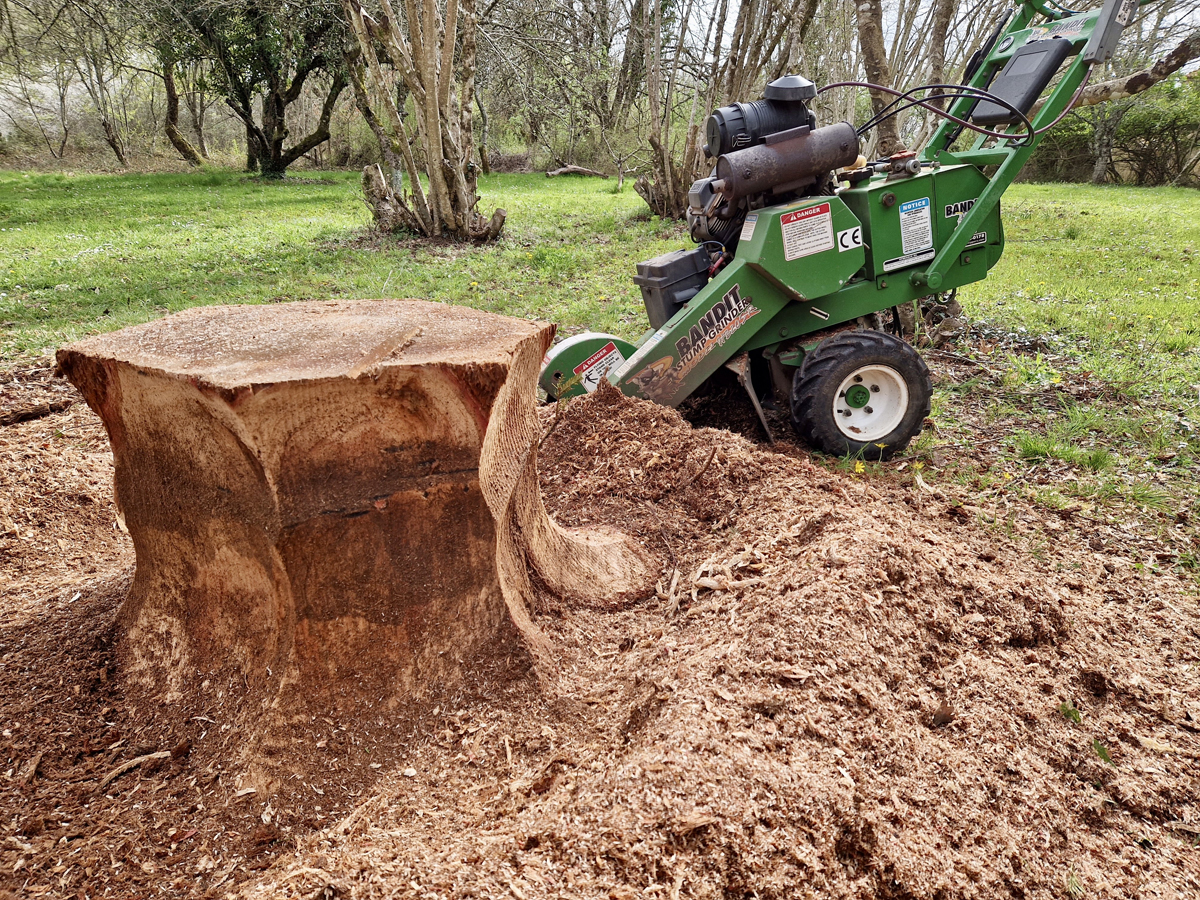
<point>575,170</point>
<point>38,411</point>
<point>334,506</point>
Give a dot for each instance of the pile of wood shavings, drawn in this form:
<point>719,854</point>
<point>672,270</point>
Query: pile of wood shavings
<point>57,527</point>
<point>843,688</point>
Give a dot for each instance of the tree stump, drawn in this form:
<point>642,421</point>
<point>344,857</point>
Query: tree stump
<point>333,504</point>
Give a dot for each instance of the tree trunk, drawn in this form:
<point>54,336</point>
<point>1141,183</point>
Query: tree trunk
<point>197,104</point>
<point>870,40</point>
<point>274,125</point>
<point>113,139</point>
<point>335,506</point>
<point>171,127</point>
<point>392,163</point>
<point>943,12</point>
<point>1104,133</point>
<point>664,191</point>
<point>253,150</point>
<point>485,164</point>
<point>1119,88</point>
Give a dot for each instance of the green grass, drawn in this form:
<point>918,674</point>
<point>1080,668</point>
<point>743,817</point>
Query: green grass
<point>1049,446</point>
<point>1117,270</point>
<point>88,253</point>
<point>1091,384</point>
<point>1089,389</point>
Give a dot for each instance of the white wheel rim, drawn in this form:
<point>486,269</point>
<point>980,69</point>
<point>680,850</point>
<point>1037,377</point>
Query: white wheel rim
<point>882,412</point>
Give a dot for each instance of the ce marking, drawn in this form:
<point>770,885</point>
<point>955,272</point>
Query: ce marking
<point>849,239</point>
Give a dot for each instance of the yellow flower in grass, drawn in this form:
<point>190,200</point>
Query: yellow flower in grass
<point>860,467</point>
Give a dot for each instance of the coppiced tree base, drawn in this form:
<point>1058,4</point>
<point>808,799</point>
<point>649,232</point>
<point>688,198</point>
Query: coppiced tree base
<point>438,70</point>
<point>666,190</point>
<point>391,214</point>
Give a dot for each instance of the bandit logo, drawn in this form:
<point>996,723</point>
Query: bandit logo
<point>1071,27</point>
<point>957,210</point>
<point>713,329</point>
<point>722,319</point>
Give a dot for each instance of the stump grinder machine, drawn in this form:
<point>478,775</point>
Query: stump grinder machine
<point>806,250</point>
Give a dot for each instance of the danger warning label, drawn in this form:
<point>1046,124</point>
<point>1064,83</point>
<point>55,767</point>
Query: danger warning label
<point>598,365</point>
<point>807,231</point>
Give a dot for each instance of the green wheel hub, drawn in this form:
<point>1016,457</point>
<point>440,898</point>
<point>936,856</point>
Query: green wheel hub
<point>858,396</point>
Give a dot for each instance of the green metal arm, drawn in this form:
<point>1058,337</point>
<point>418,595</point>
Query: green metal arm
<point>1042,9</point>
<point>1009,154</point>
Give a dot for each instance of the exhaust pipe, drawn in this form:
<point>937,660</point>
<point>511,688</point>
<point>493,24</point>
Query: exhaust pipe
<point>787,161</point>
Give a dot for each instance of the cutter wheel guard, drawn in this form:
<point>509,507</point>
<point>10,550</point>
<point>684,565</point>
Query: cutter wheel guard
<point>802,242</point>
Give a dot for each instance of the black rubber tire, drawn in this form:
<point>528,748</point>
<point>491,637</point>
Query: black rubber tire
<point>834,360</point>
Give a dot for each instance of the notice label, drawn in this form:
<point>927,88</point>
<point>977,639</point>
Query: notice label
<point>748,227</point>
<point>598,365</point>
<point>916,226</point>
<point>808,231</point>
<point>979,237</point>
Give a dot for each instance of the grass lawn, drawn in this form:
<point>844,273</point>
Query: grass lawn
<point>97,252</point>
<point>1117,267</point>
<point>1086,346</point>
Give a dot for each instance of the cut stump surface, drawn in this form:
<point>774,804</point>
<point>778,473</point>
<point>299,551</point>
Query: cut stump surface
<point>335,503</point>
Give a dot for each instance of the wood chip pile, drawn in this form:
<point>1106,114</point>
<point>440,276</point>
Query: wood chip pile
<point>843,689</point>
<point>844,686</point>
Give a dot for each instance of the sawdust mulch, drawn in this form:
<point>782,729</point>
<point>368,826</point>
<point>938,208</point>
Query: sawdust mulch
<point>850,689</point>
<point>843,688</point>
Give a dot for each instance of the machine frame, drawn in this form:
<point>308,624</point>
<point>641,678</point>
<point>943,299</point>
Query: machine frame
<point>905,228</point>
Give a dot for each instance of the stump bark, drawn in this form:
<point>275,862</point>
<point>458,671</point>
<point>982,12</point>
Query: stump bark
<point>334,504</point>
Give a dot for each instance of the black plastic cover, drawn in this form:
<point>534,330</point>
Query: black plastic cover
<point>671,280</point>
<point>790,88</point>
<point>741,125</point>
<point>1022,81</point>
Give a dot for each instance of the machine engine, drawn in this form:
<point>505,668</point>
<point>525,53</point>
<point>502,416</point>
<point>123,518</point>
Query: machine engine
<point>767,152</point>
<point>791,264</point>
